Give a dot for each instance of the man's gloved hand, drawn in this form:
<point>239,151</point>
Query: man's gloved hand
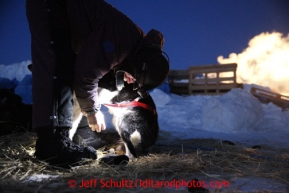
<point>96,121</point>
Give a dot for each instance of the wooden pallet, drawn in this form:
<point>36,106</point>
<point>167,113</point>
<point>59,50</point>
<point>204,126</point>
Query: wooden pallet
<point>217,79</point>
<point>266,96</point>
<point>179,81</point>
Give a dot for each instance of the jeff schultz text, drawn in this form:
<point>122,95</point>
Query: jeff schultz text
<point>146,183</point>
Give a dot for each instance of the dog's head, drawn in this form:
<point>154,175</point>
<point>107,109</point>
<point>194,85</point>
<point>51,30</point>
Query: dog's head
<point>125,94</point>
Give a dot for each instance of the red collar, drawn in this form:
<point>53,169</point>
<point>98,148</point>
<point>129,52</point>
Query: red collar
<point>133,103</point>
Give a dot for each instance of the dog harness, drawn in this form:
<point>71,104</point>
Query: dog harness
<point>134,103</point>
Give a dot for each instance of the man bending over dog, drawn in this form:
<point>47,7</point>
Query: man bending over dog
<point>74,44</point>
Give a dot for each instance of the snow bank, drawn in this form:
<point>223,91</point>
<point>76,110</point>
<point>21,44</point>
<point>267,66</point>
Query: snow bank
<point>40,177</point>
<point>234,111</point>
<point>236,115</point>
<point>16,70</point>
<point>275,119</point>
<point>160,97</point>
<point>24,89</point>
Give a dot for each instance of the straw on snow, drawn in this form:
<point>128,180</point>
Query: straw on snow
<point>179,160</point>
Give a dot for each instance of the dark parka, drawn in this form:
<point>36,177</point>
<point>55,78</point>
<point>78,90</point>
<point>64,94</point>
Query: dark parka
<point>74,41</point>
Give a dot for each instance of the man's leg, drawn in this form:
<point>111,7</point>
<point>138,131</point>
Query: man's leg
<point>52,83</point>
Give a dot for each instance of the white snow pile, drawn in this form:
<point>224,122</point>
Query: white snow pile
<point>18,77</point>
<point>40,177</point>
<point>235,111</point>
<point>15,71</point>
<point>236,115</point>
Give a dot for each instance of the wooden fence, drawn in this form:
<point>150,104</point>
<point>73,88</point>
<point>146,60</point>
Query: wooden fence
<point>212,79</point>
<point>266,96</point>
<point>179,81</point>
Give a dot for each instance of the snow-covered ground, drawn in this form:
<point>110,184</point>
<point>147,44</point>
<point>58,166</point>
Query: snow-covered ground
<point>236,116</point>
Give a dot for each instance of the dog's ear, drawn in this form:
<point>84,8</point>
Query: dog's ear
<point>30,67</point>
<point>108,81</point>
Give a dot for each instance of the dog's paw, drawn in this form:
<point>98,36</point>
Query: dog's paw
<point>113,159</point>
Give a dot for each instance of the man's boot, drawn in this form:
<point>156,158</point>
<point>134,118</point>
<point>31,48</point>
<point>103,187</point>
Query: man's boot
<point>55,147</point>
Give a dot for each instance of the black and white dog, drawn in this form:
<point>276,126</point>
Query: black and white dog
<point>134,117</point>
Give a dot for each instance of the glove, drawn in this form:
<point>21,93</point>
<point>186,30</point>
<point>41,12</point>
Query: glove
<point>96,121</point>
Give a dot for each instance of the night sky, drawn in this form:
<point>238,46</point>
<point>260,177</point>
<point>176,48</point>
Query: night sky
<point>196,31</point>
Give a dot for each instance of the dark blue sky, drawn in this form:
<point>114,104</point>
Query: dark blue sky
<point>196,31</point>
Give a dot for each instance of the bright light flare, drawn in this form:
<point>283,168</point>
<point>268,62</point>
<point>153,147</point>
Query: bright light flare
<point>264,62</point>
